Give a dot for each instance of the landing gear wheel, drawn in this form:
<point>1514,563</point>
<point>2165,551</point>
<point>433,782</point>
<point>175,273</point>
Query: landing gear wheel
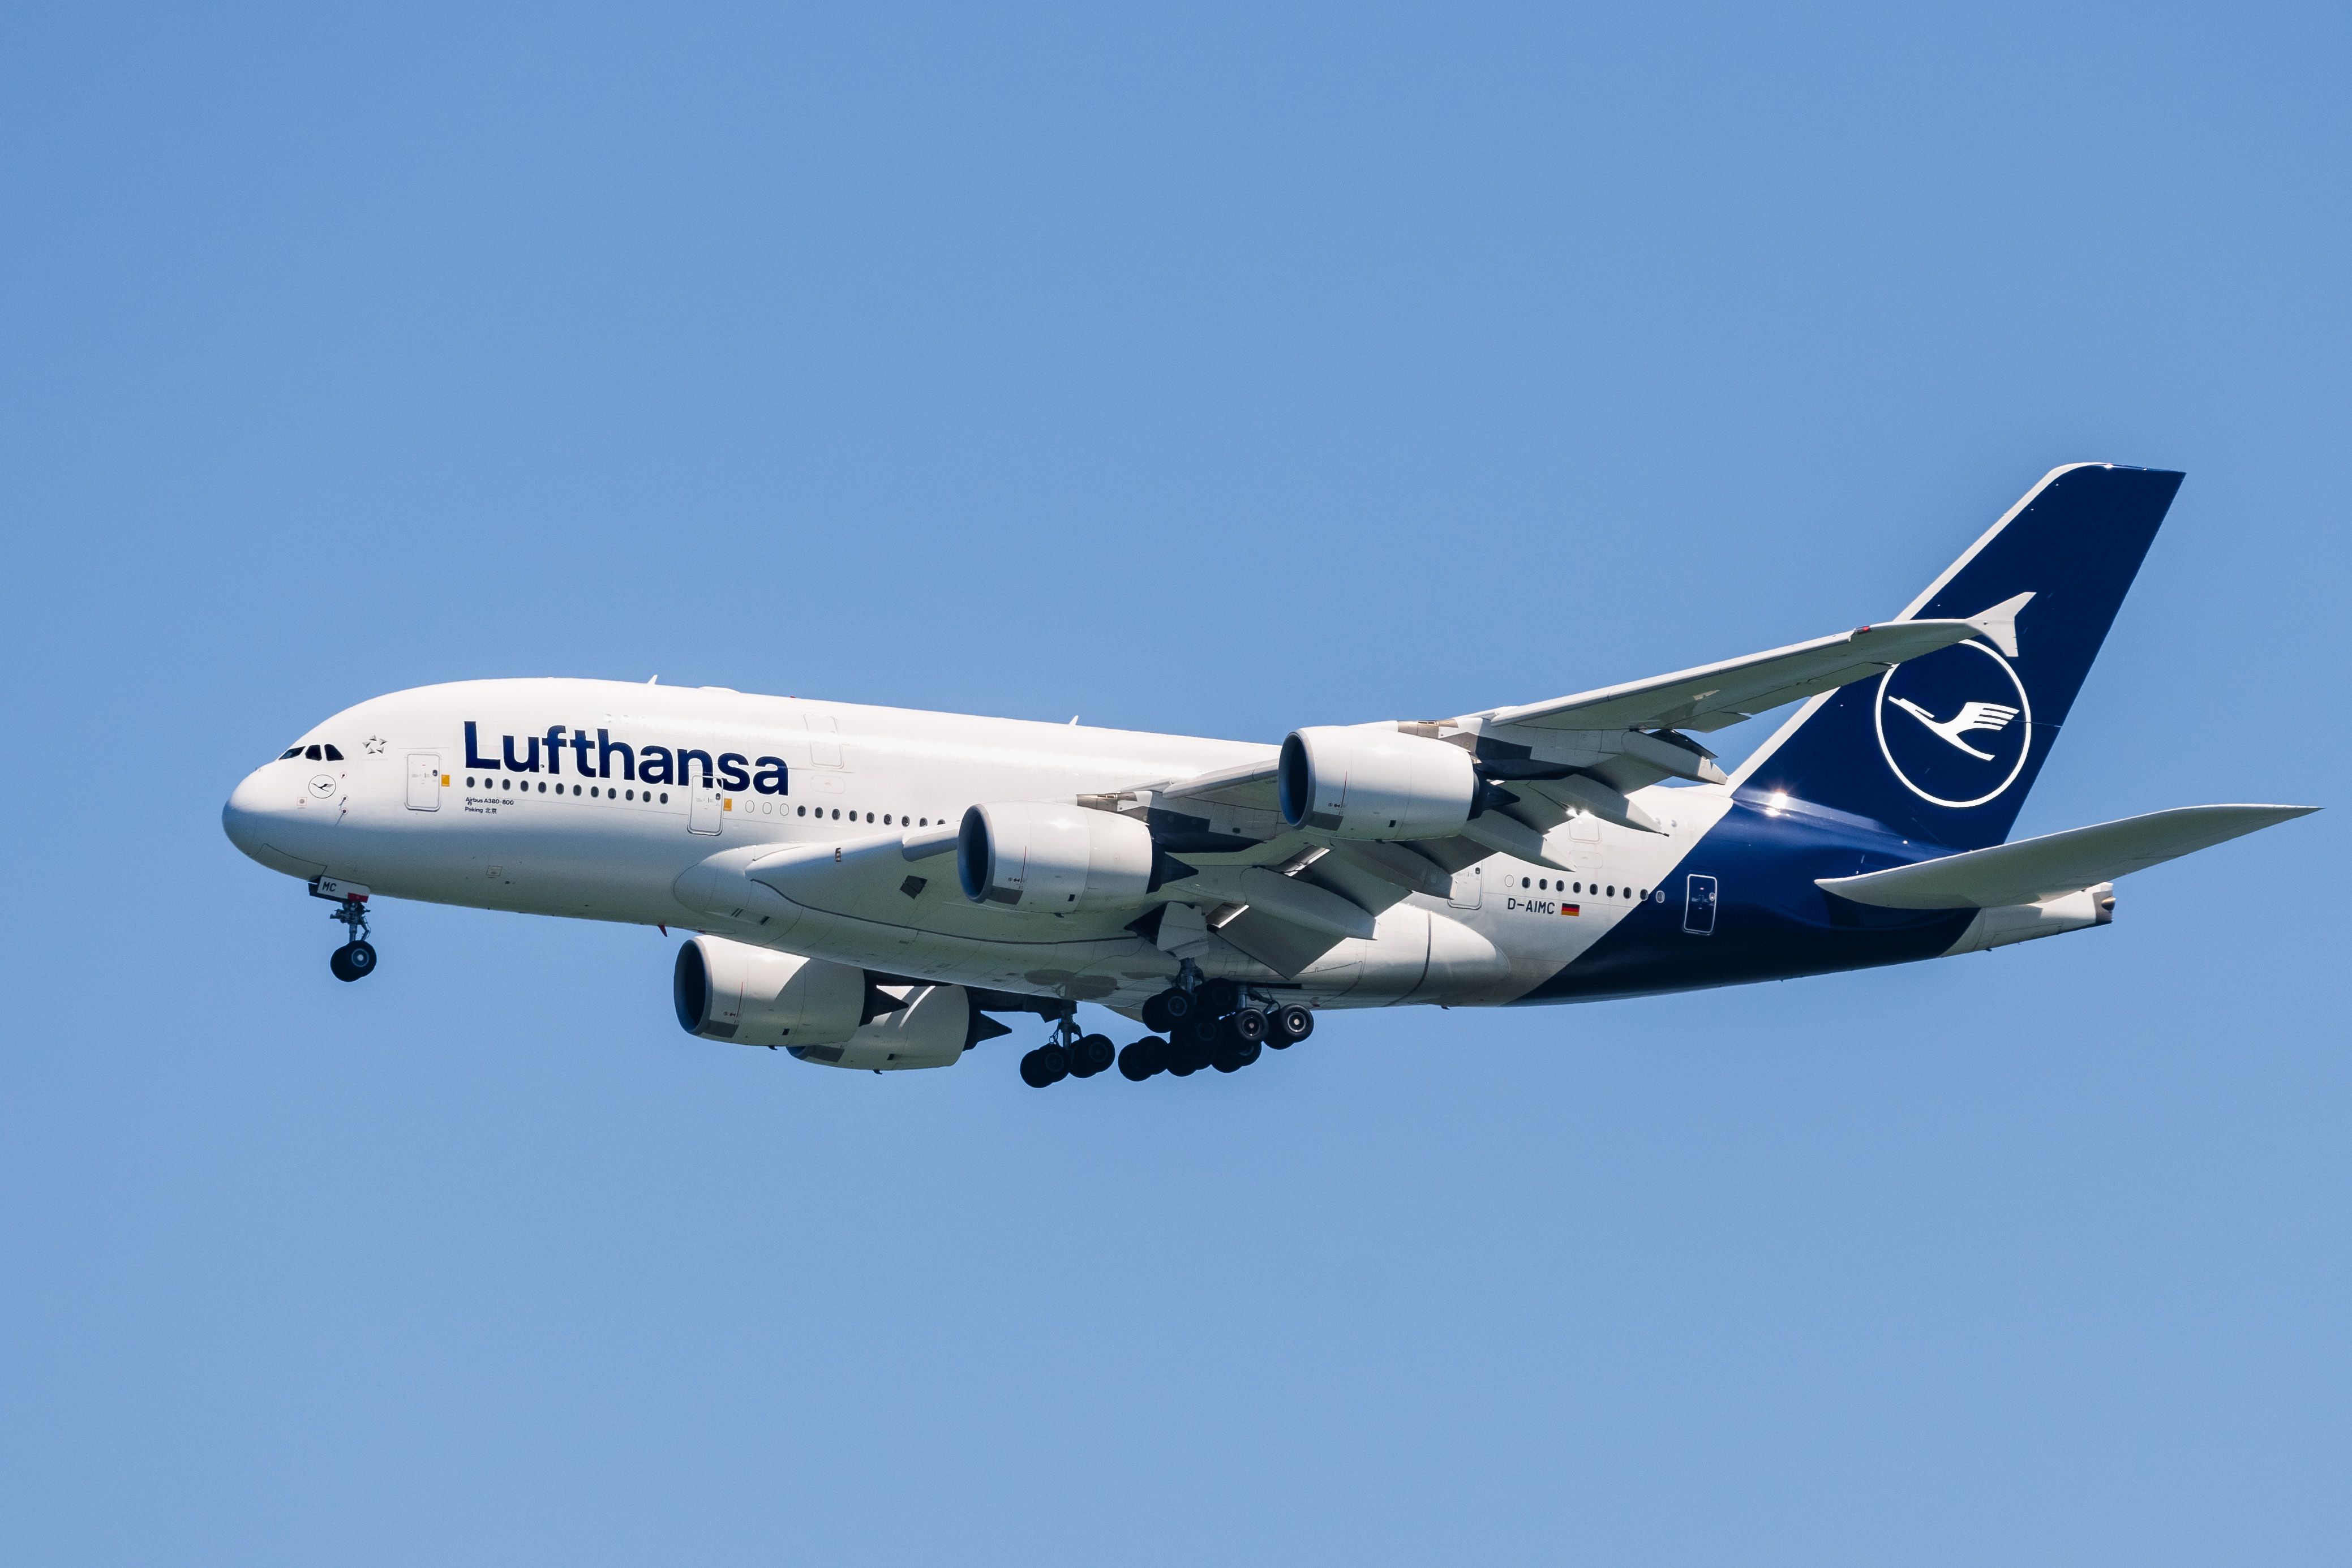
<point>1144,1057</point>
<point>1203,1031</point>
<point>1236,1057</point>
<point>1092,1053</point>
<point>1290,1025</point>
<point>352,961</point>
<point>1044,1067</point>
<point>1220,997</point>
<point>1248,1026</point>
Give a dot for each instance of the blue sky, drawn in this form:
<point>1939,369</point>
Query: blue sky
<point>1217,370</point>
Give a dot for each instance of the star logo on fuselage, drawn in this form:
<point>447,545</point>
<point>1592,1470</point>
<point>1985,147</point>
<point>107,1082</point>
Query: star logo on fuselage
<point>375,745</point>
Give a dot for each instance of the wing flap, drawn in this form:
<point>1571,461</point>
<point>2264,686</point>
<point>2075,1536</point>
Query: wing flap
<point>2032,870</point>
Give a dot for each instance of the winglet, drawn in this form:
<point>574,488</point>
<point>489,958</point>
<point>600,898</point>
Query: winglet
<point>1999,622</point>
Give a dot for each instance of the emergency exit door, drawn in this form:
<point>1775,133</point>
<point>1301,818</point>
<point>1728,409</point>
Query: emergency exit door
<point>1698,906</point>
<point>704,809</point>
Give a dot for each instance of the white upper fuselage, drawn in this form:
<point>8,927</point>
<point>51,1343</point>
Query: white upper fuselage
<point>643,803</point>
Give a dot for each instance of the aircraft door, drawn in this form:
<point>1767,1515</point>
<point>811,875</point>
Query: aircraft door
<point>1698,906</point>
<point>423,781</point>
<point>824,740</point>
<point>1468,888</point>
<point>704,809</point>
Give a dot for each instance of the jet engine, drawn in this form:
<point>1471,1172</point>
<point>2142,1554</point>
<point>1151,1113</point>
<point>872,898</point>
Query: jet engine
<point>731,990</point>
<point>1052,859</point>
<point>1374,783</point>
<point>932,1029</point>
<point>831,1014</point>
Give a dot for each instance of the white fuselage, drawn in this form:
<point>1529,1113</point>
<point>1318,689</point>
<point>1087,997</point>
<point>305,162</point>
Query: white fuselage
<point>604,800</point>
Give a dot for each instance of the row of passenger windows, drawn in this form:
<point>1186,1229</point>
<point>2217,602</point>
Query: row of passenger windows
<point>886,821</point>
<point>1544,884</point>
<point>597,790</point>
<point>315,753</point>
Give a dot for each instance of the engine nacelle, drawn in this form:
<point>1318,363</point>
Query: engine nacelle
<point>1052,859</point>
<point>813,1008</point>
<point>731,990</point>
<point>932,1030</point>
<point>1366,783</point>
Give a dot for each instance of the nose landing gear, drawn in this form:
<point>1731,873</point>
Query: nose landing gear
<point>355,959</point>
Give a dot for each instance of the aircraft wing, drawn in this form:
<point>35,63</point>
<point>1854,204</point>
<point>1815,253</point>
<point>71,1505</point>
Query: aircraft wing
<point>1584,753</point>
<point>2032,870</point>
<point>1713,696</point>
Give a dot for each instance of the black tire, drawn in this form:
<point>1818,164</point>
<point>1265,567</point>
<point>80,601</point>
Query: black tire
<point>1044,1067</point>
<point>352,961</point>
<point>1178,1006</point>
<point>1220,997</point>
<point>1144,1057</point>
<point>1094,1053</point>
<point>1291,1025</point>
<point>1203,1032</point>
<point>1155,1014</point>
<point>1182,1066</point>
<point>1236,1057</point>
<point>1248,1026</point>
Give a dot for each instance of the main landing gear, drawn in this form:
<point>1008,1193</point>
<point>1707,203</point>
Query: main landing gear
<point>1068,1054</point>
<point>1212,1023</point>
<point>355,959</point>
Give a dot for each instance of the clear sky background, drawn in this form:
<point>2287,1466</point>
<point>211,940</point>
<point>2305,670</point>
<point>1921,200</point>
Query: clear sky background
<point>1216,370</point>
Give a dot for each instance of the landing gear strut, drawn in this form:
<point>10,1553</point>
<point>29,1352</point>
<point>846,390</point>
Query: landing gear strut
<point>355,959</point>
<point>1210,1023</point>
<point>1068,1054</point>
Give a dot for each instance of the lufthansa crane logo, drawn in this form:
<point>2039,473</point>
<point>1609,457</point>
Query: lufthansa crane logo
<point>1955,725</point>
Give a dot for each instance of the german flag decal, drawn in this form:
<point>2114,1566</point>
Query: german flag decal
<point>1572,909</point>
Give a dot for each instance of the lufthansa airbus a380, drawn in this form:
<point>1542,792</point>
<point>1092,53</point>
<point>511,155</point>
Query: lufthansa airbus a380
<point>869,885</point>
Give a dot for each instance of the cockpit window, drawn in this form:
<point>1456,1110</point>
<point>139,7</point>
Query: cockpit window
<point>313,753</point>
<point>333,756</point>
<point>290,752</point>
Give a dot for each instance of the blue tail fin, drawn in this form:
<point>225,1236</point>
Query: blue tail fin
<point>1945,747</point>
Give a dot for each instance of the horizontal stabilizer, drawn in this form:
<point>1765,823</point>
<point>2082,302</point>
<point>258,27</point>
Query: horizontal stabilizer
<point>2035,868</point>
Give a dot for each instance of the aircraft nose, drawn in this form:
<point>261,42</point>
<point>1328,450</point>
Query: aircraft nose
<point>245,818</point>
